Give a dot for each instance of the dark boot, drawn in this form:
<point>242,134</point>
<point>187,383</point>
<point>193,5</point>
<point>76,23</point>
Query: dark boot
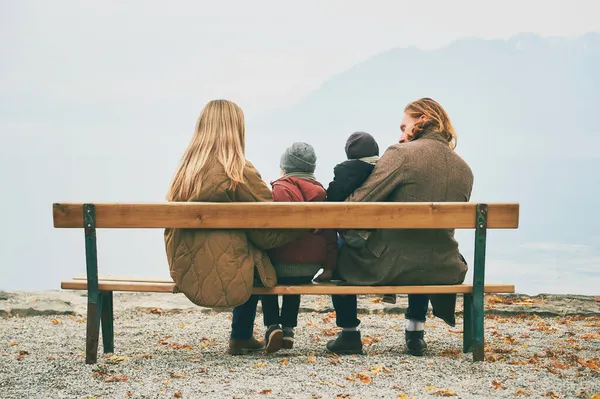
<point>346,343</point>
<point>273,338</point>
<point>415,343</point>
<point>242,346</point>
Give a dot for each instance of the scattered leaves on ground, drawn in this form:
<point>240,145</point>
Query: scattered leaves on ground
<point>260,364</point>
<point>285,361</point>
<point>22,354</point>
<point>177,394</point>
<point>157,311</point>
<point>266,391</point>
<point>55,321</point>
<point>497,385</point>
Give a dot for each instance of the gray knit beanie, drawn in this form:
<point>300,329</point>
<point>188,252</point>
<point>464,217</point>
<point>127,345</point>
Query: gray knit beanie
<point>299,157</point>
<point>361,145</point>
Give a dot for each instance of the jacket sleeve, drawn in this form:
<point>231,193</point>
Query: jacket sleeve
<point>390,172</point>
<point>254,189</point>
<point>337,190</point>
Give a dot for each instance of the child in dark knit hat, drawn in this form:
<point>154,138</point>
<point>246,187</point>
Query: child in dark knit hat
<point>363,153</point>
<point>299,261</point>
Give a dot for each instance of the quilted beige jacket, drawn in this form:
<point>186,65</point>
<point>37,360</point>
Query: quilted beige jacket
<point>215,268</point>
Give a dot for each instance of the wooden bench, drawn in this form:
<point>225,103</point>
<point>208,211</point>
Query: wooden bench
<point>387,215</point>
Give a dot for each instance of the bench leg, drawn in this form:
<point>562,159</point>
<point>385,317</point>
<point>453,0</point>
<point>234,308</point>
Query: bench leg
<point>94,306</point>
<point>478,282</point>
<point>92,332</point>
<point>467,323</point>
<point>106,318</point>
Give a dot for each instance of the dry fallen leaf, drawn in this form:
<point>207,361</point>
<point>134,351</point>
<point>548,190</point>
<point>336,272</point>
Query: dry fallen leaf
<point>429,388</point>
<point>444,392</point>
<point>285,361</point>
<point>146,356</point>
<point>55,321</point>
<point>202,371</point>
<point>22,354</point>
<point>497,385</point>
<point>376,300</point>
<point>368,340</point>
<point>261,364</point>
<point>175,375</point>
<point>204,344</point>
<point>177,394</point>
<point>596,396</point>
<point>310,359</point>
<point>402,396</point>
<point>114,359</point>
<point>522,392</point>
<point>329,332</point>
<point>13,343</point>
<point>181,325</point>
<point>266,391</point>
<point>122,378</point>
<point>454,353</point>
<point>552,395</point>
<point>364,378</point>
<point>195,360</point>
<point>156,311</point>
<point>129,394</point>
<point>378,369</point>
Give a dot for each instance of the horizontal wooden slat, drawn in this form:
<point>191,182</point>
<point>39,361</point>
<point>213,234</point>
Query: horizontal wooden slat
<point>342,215</point>
<point>311,289</point>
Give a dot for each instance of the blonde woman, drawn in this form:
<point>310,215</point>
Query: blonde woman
<point>216,268</point>
<point>423,167</point>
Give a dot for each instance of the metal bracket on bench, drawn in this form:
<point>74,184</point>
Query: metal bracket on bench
<point>479,281</point>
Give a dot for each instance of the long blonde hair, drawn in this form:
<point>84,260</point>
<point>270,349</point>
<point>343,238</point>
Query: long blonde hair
<point>219,136</point>
<point>436,119</point>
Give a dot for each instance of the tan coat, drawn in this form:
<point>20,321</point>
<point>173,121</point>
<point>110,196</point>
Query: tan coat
<point>215,268</point>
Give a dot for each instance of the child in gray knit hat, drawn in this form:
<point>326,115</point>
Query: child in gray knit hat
<point>299,261</point>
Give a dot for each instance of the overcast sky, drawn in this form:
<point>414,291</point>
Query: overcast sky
<point>261,53</point>
<point>99,99</point>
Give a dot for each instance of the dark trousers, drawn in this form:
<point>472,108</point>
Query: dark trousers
<point>346,309</point>
<point>290,304</point>
<point>242,323</point>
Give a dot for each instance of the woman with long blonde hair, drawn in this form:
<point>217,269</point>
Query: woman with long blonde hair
<point>216,268</point>
<point>422,167</point>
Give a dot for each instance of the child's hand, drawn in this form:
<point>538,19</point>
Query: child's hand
<point>325,276</point>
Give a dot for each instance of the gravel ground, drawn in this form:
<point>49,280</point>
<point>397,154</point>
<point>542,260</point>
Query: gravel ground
<point>184,355</point>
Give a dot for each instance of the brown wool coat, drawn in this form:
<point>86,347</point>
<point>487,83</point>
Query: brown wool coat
<point>215,268</point>
<point>423,170</point>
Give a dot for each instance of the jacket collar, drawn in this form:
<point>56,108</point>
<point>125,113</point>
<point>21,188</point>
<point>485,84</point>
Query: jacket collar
<point>432,135</point>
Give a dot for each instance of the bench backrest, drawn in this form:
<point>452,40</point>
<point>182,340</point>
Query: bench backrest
<point>343,215</point>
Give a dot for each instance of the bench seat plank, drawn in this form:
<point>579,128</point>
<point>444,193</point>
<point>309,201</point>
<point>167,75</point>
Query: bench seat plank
<point>310,289</point>
<point>330,215</point>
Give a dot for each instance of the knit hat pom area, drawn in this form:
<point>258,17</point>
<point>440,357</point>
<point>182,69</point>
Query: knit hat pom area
<point>299,158</point>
